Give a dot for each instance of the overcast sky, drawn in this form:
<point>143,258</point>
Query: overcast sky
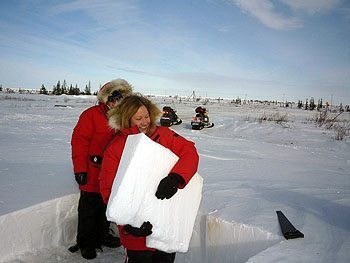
<point>254,49</point>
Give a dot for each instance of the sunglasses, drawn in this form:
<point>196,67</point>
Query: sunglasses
<point>116,96</point>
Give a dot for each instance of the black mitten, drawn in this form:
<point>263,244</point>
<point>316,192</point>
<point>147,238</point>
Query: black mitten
<point>143,231</point>
<point>168,186</point>
<point>81,178</point>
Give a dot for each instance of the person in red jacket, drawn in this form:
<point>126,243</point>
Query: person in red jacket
<point>136,114</point>
<point>89,139</point>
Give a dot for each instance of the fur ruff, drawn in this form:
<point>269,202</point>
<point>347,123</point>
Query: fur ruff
<point>113,119</point>
<point>117,84</point>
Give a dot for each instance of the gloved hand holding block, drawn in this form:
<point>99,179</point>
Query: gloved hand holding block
<point>143,165</point>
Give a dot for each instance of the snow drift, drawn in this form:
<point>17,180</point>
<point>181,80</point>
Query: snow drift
<point>45,225</point>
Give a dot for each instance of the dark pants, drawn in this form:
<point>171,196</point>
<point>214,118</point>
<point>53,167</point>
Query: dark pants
<point>92,222</point>
<point>147,256</point>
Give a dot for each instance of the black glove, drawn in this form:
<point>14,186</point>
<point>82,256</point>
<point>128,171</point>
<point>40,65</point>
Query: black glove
<point>81,178</point>
<point>143,231</point>
<point>168,186</point>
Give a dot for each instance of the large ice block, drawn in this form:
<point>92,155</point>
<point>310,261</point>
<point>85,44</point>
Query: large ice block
<point>132,201</point>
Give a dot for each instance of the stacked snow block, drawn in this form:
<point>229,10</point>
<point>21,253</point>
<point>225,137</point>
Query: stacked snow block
<point>132,201</point>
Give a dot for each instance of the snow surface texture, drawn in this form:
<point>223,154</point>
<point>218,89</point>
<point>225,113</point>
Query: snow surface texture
<point>250,167</point>
<point>132,201</point>
<point>45,225</point>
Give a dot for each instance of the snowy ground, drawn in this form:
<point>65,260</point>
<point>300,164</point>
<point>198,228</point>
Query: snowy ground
<point>251,168</point>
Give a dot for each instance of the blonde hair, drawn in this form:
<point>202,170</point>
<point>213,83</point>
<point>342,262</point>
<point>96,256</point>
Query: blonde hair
<point>119,117</point>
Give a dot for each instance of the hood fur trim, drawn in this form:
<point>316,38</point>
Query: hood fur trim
<point>113,119</point>
<point>117,84</point>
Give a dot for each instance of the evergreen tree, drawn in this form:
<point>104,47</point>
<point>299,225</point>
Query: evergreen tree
<point>88,89</point>
<point>57,90</point>
<point>71,90</point>
<point>312,104</point>
<point>43,89</point>
<point>64,87</point>
<point>76,90</point>
<point>306,105</point>
<point>319,105</point>
<point>300,104</point>
<point>53,90</point>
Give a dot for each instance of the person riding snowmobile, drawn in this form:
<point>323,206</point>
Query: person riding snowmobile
<point>201,120</point>
<point>169,117</point>
<point>202,112</point>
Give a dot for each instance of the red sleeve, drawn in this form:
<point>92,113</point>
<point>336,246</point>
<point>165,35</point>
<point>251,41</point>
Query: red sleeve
<point>187,164</point>
<point>110,163</point>
<point>81,139</point>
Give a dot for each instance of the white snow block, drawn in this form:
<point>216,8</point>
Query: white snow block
<point>132,201</point>
<point>42,226</point>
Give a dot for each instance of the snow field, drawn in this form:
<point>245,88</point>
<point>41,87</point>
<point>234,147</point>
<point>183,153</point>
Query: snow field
<point>251,168</point>
<point>56,221</point>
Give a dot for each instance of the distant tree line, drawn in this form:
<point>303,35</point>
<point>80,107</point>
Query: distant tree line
<point>63,88</point>
<point>311,105</point>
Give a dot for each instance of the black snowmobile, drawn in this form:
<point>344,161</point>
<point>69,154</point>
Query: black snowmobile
<point>169,117</point>
<point>201,120</point>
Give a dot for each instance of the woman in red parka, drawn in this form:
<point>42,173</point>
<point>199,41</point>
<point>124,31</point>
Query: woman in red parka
<point>133,115</point>
<point>89,139</point>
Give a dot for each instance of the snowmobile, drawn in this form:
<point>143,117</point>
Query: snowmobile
<point>169,117</point>
<point>201,120</point>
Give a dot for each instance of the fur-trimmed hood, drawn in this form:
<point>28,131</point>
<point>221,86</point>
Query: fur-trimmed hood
<point>117,84</point>
<point>113,119</point>
<point>119,117</point>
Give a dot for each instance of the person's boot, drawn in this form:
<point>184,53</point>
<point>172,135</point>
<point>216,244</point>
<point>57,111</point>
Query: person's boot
<point>111,241</point>
<point>74,248</point>
<point>88,253</point>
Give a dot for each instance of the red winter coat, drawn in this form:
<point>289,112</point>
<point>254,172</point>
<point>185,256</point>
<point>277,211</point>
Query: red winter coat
<point>186,166</point>
<point>90,137</point>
